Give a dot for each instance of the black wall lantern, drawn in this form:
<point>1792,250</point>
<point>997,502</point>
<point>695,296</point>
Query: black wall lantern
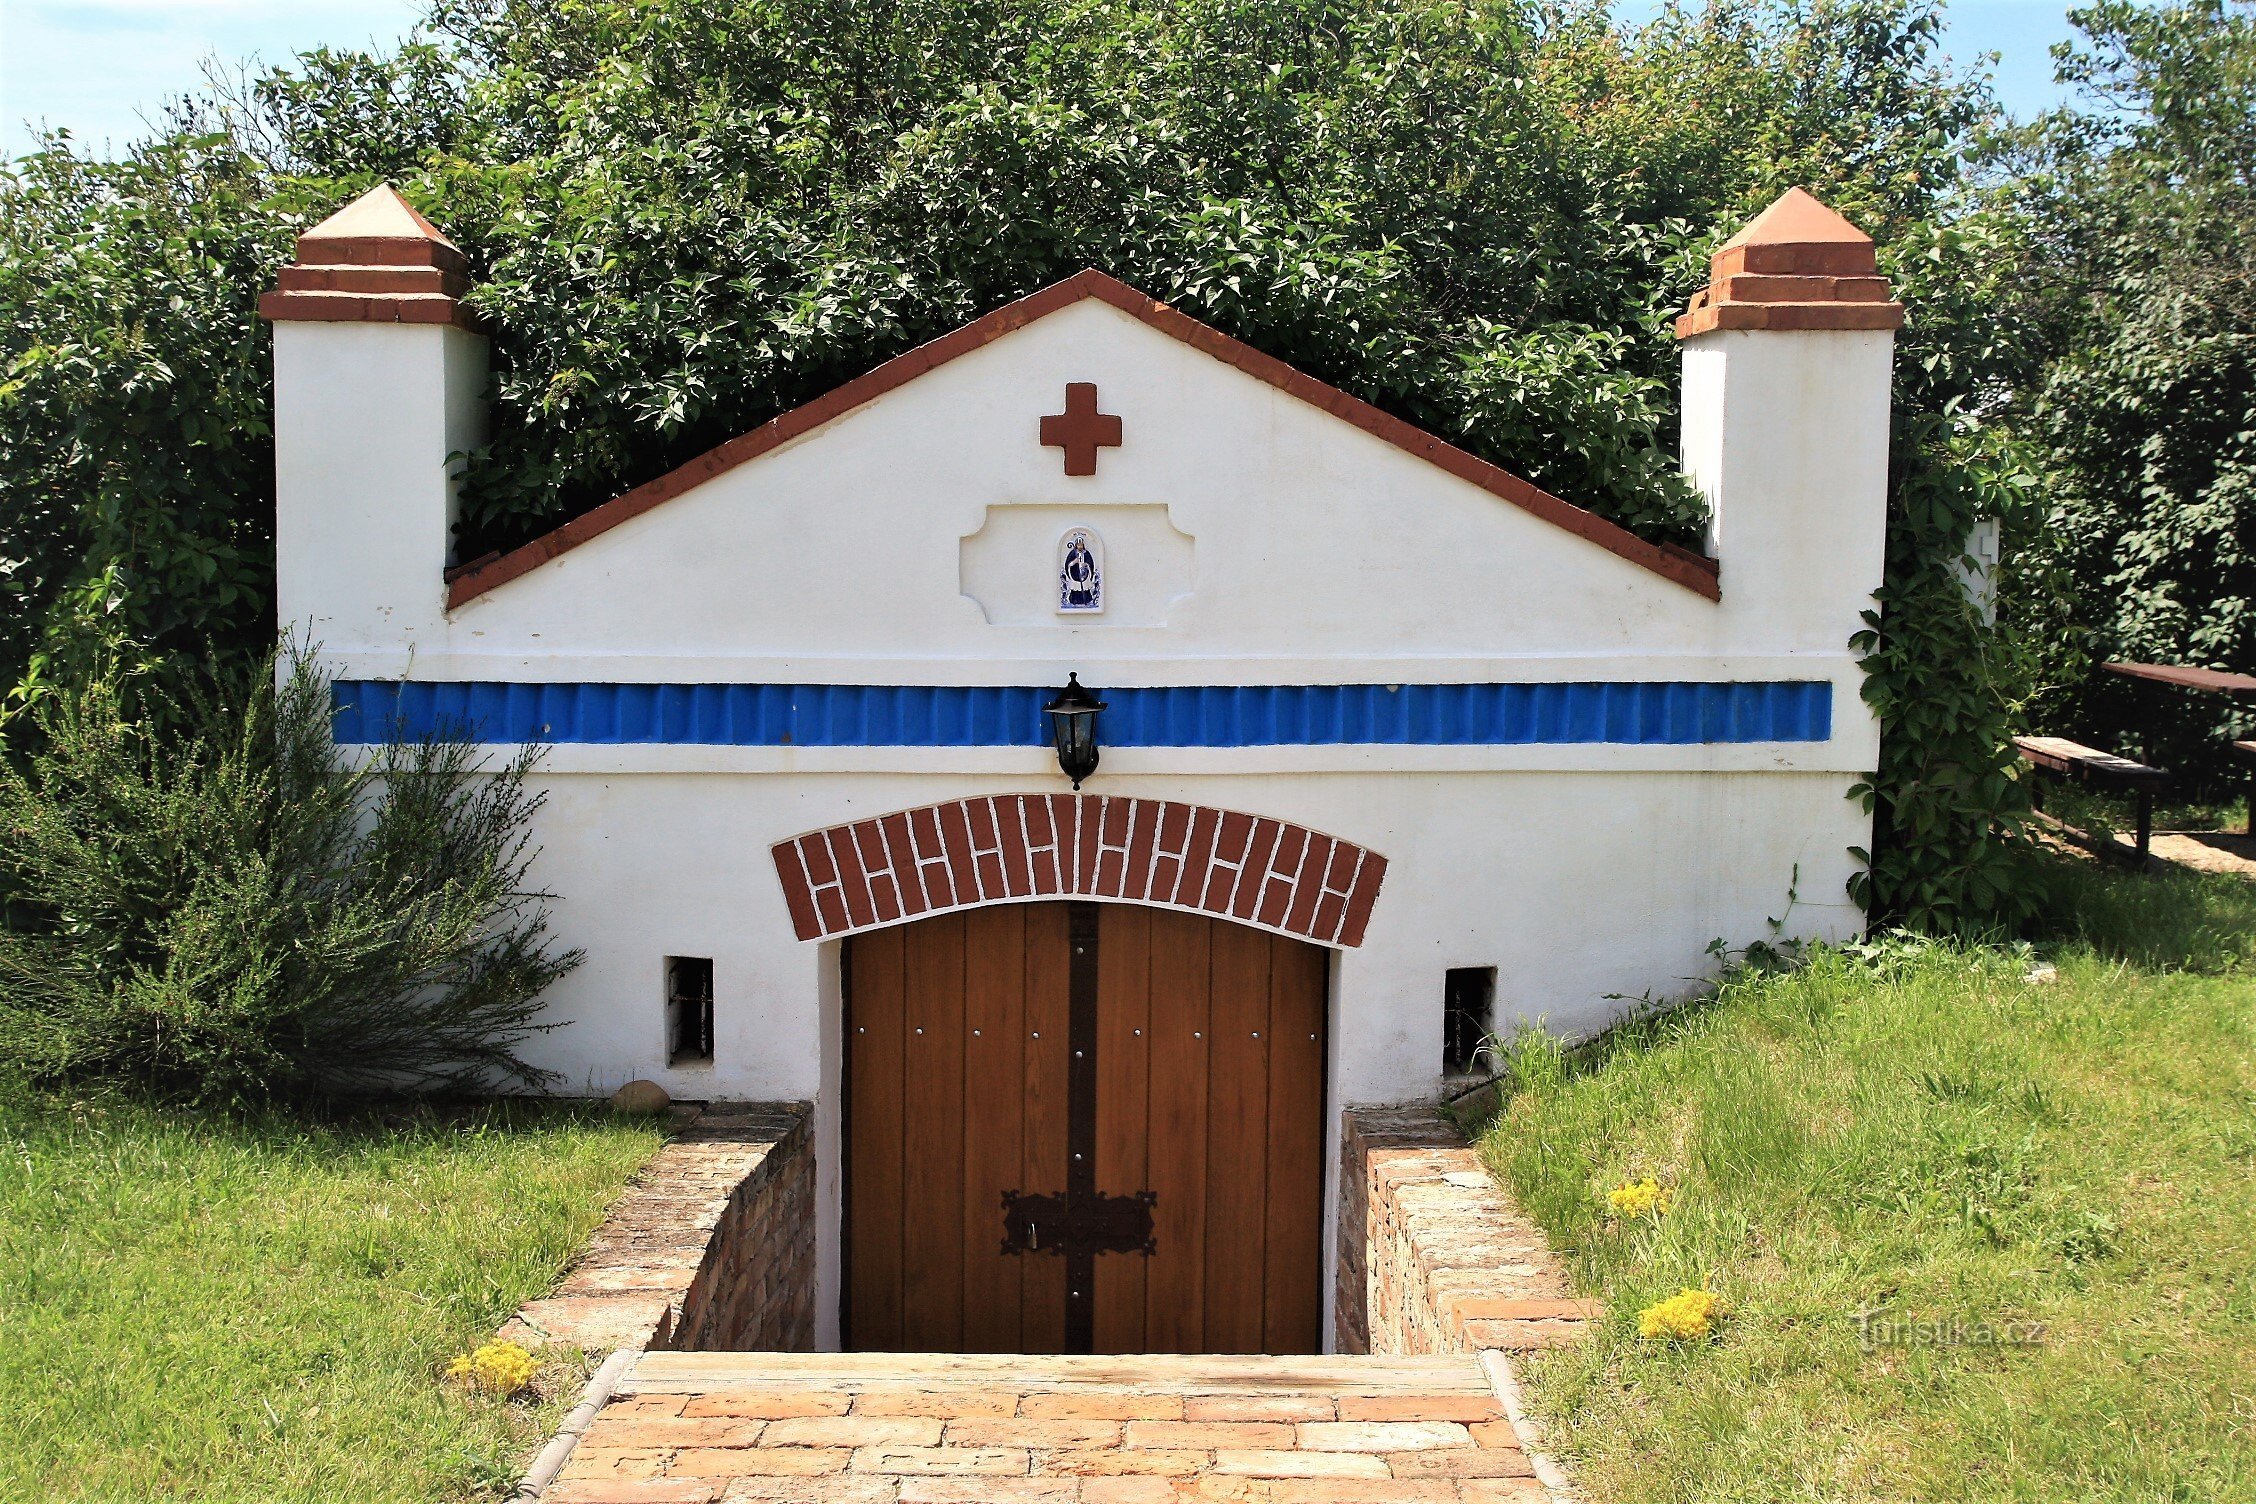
<point>1073,726</point>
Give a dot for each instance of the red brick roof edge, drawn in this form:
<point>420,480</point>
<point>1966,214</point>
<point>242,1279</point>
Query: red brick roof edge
<point>1679,566</point>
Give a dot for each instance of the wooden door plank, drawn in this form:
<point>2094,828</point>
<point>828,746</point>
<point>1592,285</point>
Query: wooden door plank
<point>874,1159</point>
<point>1048,1001</point>
<point>1227,1128</point>
<point>1123,1108</point>
<point>933,1135</point>
<point>1175,1276</point>
<point>1293,1298</point>
<point>1237,1169</point>
<point>994,1094</point>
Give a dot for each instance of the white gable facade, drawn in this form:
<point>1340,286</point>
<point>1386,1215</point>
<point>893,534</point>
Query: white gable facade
<point>1361,689</point>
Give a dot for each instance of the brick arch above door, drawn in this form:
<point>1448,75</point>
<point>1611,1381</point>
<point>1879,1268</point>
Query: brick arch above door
<point>1008,848</point>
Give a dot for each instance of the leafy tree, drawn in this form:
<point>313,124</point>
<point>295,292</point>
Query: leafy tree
<point>740,206</point>
<point>2137,281</point>
<point>684,218</point>
<point>136,466</point>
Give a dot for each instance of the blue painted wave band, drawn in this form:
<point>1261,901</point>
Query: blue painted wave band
<point>1206,715</point>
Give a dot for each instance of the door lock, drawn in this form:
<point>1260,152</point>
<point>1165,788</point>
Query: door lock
<point>1078,1222</point>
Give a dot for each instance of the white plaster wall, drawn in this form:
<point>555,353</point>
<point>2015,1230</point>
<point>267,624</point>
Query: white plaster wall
<point>1313,552</point>
<point>1580,888</point>
<point>1313,540</point>
<point>1281,545</point>
<point>366,417</point>
<point>1583,889</point>
<point>1787,434</point>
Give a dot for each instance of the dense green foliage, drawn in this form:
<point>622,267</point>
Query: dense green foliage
<point>684,218</point>
<point>135,457</point>
<point>1947,676</point>
<point>1949,807</point>
<point>717,212</point>
<point>2136,289</point>
<point>253,1310</point>
<point>234,913</point>
<point>1931,1133</point>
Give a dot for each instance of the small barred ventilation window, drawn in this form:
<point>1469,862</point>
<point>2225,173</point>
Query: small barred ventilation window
<point>689,1010</point>
<point>1468,995</point>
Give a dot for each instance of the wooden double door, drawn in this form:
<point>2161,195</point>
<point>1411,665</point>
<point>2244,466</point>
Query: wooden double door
<point>1081,1127</point>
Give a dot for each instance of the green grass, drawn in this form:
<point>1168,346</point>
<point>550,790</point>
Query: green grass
<point>198,1308</point>
<point>2104,813</point>
<point>1922,1129</point>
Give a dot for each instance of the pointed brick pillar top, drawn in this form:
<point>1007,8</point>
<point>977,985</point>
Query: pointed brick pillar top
<point>374,261</point>
<point>1797,265</point>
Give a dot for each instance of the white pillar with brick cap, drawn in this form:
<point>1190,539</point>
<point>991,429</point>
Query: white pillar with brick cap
<point>1787,356</point>
<point>378,380</point>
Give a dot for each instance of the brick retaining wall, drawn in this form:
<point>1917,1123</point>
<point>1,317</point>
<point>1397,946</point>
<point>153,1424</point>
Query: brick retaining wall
<point>1434,1256</point>
<point>712,1247</point>
<point>755,1292</point>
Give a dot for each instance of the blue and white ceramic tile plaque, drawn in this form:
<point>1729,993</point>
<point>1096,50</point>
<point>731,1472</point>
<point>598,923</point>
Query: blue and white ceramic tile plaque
<point>1080,572</point>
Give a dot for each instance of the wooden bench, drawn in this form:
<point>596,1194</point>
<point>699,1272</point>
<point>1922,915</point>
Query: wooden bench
<point>2103,770</point>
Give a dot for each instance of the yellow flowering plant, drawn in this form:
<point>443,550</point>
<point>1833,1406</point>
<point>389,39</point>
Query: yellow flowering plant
<point>1641,1200</point>
<point>497,1367</point>
<point>1683,1317</point>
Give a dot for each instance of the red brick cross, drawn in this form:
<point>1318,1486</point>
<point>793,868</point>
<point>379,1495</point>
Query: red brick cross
<point>1081,430</point>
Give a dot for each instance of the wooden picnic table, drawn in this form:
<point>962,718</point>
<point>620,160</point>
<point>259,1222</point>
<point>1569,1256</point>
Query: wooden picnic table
<point>2201,680</point>
<point>2208,681</point>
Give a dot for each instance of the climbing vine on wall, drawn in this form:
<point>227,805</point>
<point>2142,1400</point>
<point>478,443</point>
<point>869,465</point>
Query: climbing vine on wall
<point>1950,667</point>
<point>1949,809</point>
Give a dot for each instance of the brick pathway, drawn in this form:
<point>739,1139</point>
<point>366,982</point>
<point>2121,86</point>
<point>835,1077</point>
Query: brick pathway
<point>873,1428</point>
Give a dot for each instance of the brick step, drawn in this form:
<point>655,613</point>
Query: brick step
<point>1162,1373</point>
<point>986,1428</point>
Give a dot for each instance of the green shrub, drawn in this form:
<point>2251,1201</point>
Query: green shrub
<point>234,911</point>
